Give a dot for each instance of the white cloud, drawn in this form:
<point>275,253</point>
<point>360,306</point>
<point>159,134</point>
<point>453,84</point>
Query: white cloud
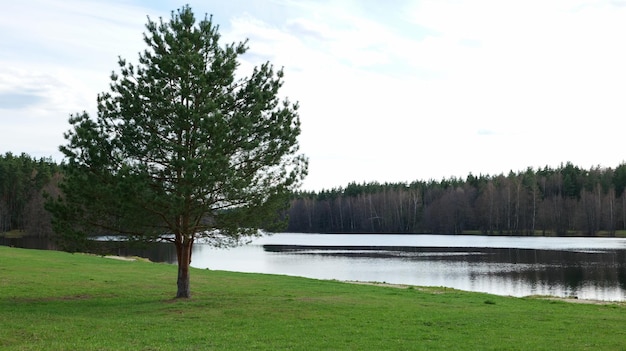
<point>58,55</point>
<point>535,75</point>
<point>412,90</point>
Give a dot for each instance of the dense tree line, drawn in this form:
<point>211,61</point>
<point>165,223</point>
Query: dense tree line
<point>567,200</point>
<point>24,181</point>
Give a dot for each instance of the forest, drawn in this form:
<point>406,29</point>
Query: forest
<point>567,200</point>
<point>24,183</point>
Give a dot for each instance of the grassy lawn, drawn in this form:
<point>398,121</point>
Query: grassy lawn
<point>58,301</point>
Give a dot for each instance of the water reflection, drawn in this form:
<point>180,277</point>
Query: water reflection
<point>29,243</point>
<point>569,271</point>
<point>586,268</point>
<point>573,267</point>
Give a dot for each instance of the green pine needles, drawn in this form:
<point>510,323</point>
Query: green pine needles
<point>181,149</point>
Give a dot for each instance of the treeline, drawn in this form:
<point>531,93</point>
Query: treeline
<point>23,183</point>
<point>566,200</point>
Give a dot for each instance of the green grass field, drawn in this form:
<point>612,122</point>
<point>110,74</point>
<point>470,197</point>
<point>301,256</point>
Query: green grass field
<point>58,301</point>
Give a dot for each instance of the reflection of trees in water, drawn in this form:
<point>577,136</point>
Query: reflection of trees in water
<point>155,252</point>
<point>29,243</point>
<point>571,269</point>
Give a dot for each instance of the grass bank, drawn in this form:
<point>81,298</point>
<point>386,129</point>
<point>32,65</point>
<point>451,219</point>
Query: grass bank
<point>13,234</point>
<point>58,301</point>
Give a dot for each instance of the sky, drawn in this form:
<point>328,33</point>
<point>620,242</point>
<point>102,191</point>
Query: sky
<point>389,91</point>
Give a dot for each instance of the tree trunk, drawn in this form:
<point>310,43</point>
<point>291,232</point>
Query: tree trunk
<point>183,253</point>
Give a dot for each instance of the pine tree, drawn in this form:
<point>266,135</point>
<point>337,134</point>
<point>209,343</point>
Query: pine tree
<point>180,149</point>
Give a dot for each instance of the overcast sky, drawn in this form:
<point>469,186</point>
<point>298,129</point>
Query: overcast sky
<point>389,90</point>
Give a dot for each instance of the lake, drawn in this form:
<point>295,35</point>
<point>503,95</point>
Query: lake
<point>585,268</point>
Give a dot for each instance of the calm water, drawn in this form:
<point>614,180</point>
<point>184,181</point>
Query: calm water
<point>586,268</point>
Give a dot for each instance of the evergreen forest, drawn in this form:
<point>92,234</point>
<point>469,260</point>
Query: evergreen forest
<point>567,200</point>
<point>24,183</point>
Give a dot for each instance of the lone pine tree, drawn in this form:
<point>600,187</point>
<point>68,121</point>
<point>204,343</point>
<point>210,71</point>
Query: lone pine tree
<point>181,149</point>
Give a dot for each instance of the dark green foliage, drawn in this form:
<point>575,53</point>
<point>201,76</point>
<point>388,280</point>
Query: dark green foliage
<point>619,179</point>
<point>180,149</point>
<point>571,180</point>
<point>23,181</point>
